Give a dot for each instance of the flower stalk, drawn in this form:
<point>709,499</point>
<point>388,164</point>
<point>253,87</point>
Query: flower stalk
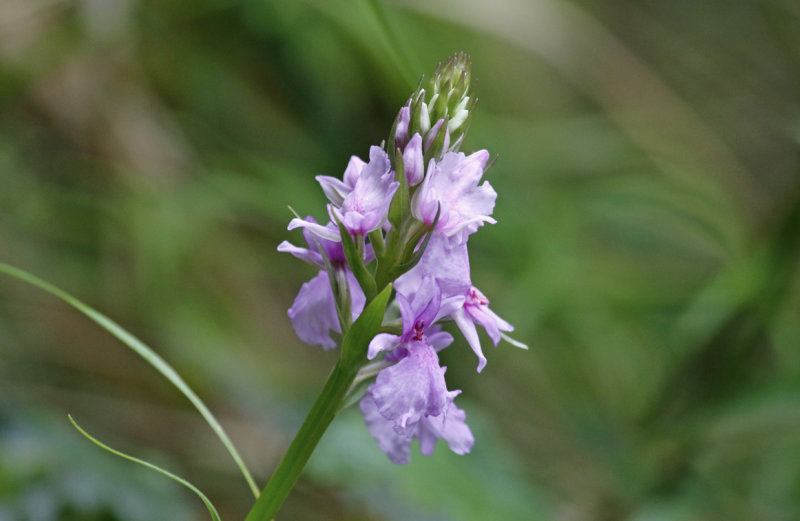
<point>316,423</point>
<point>328,403</point>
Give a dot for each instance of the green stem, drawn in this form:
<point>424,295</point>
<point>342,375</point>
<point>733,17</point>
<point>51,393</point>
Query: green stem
<point>352,356</point>
<point>317,421</point>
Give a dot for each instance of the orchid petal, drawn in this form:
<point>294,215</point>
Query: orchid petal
<point>467,327</point>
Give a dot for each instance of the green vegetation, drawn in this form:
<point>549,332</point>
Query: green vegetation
<point>647,250</point>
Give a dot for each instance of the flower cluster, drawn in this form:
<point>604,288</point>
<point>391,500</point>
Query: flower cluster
<point>404,218</point>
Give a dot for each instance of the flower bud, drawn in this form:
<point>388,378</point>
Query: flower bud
<point>441,113</point>
<point>413,161</point>
<point>452,78</point>
<point>401,126</point>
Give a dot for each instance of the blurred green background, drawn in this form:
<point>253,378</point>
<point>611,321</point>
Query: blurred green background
<point>646,249</point>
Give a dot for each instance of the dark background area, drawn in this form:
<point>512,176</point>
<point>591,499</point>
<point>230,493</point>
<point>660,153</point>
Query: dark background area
<point>646,249</point>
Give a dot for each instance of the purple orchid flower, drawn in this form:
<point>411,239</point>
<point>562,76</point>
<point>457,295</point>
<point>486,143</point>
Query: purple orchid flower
<point>414,386</point>
<point>419,311</point>
<point>448,264</point>
<point>360,201</point>
<point>452,184</point>
<point>476,309</point>
<point>313,313</point>
<point>366,207</point>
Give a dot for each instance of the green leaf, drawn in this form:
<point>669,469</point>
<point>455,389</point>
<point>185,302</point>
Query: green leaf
<point>145,352</point>
<point>376,240</point>
<point>209,505</point>
<point>366,326</point>
<point>356,262</point>
<point>397,271</point>
<point>400,202</point>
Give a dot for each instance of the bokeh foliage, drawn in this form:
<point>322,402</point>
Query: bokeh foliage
<point>646,250</point>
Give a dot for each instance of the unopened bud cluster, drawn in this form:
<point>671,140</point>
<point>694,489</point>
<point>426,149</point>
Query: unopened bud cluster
<point>440,115</point>
<point>404,217</point>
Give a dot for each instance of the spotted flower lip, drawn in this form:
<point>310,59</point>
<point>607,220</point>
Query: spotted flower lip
<point>412,388</point>
<point>419,313</point>
<point>449,426</point>
<point>452,184</point>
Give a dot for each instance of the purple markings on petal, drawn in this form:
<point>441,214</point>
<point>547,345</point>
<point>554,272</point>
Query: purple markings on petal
<point>412,388</point>
<point>477,305</point>
<point>421,311</point>
<point>451,427</point>
<point>448,264</point>
<point>396,446</point>
<point>476,310</point>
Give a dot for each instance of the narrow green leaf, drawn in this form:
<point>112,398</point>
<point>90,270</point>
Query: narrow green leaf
<point>417,256</point>
<point>376,240</point>
<point>356,262</point>
<point>209,505</point>
<point>145,352</point>
<point>399,205</point>
<point>366,326</point>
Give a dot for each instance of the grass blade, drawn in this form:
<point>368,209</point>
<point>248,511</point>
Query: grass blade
<point>209,505</point>
<point>145,352</point>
